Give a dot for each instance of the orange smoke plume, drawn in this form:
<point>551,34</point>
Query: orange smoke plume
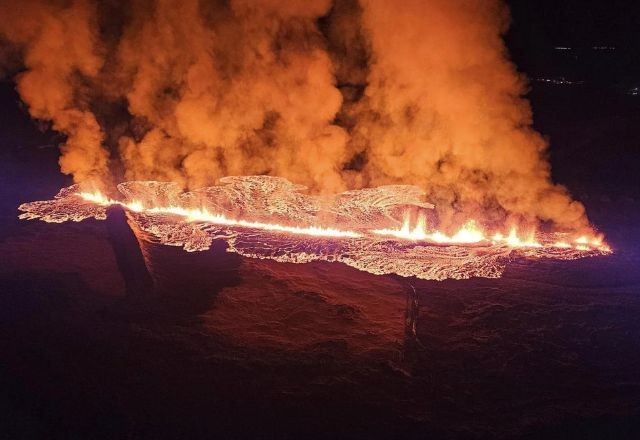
<point>332,95</point>
<point>58,47</point>
<point>443,109</point>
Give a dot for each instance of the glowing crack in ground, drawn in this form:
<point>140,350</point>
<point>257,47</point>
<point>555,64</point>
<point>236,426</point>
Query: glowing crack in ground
<point>269,217</point>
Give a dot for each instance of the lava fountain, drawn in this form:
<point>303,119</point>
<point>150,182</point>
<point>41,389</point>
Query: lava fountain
<point>270,218</point>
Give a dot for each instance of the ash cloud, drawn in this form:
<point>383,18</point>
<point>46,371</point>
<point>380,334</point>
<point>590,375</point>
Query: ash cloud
<point>332,95</point>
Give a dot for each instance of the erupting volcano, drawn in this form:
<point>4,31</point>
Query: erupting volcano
<point>319,219</point>
<point>349,95</point>
<point>268,217</point>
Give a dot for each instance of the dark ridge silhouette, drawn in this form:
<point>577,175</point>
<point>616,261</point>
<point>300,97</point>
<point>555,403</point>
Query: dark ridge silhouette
<point>185,284</point>
<point>128,255</point>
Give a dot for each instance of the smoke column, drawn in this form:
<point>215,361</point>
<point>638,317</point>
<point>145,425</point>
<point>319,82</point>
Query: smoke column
<point>443,109</point>
<point>57,45</point>
<point>332,95</point>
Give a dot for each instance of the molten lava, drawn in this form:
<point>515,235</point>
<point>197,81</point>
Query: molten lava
<point>469,233</point>
<point>261,217</point>
<point>203,215</point>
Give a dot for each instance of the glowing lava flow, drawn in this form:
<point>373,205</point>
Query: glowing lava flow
<point>270,218</point>
<point>203,215</point>
<point>514,240</point>
<point>470,233</point>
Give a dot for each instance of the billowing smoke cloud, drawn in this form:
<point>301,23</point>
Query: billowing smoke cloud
<point>443,109</point>
<point>58,51</point>
<point>333,95</point>
<point>243,89</point>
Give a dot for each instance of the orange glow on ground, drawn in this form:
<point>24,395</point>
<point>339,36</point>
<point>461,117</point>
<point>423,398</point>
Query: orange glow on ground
<point>469,233</point>
<point>203,215</point>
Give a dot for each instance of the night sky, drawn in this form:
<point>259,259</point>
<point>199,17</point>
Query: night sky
<point>538,27</point>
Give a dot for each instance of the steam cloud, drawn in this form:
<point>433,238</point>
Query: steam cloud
<point>333,95</point>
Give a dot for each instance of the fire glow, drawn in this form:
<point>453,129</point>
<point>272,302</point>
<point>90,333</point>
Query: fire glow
<point>468,234</point>
<point>203,215</point>
<point>270,218</point>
